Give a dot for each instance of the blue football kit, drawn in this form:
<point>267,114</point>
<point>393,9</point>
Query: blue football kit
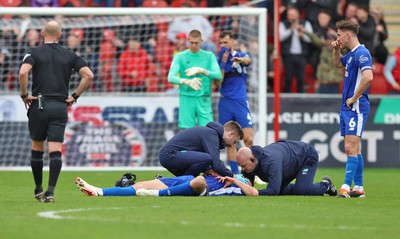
<point>180,186</point>
<point>352,121</point>
<point>233,104</point>
<point>215,187</point>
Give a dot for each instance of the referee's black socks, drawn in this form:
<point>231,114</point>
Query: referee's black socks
<point>55,168</point>
<point>37,169</point>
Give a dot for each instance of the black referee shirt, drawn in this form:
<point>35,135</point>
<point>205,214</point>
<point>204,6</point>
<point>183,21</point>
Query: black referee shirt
<point>52,66</point>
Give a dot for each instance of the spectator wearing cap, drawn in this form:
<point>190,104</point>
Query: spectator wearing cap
<point>180,43</point>
<point>328,77</point>
<point>324,26</point>
<point>74,40</point>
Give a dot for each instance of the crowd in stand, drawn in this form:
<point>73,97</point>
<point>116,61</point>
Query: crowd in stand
<point>139,61</point>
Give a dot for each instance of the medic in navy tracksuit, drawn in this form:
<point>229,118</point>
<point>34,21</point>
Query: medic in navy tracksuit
<point>281,162</point>
<point>195,150</point>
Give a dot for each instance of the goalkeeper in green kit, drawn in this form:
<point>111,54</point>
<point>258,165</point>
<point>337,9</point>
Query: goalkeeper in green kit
<point>194,70</point>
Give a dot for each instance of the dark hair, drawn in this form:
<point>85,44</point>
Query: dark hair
<point>226,33</point>
<point>235,127</point>
<point>325,12</point>
<point>347,25</point>
<point>195,33</point>
<point>363,7</point>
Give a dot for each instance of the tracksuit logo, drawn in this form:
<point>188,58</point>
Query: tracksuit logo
<point>305,171</point>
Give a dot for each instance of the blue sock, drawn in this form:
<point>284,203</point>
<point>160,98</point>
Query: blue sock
<point>119,191</point>
<point>351,167</point>
<point>358,178</point>
<point>180,190</point>
<point>234,166</point>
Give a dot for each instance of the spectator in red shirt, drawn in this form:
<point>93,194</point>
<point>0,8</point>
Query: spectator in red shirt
<point>134,67</point>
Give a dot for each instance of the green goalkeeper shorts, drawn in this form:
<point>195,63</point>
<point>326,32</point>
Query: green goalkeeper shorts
<point>195,109</point>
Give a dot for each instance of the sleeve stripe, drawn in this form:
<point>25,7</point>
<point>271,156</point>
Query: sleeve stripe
<point>366,68</point>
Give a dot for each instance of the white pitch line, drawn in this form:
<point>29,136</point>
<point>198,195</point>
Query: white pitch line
<point>57,215</point>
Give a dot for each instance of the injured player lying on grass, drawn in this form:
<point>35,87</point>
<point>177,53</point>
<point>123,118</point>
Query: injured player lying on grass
<point>186,185</point>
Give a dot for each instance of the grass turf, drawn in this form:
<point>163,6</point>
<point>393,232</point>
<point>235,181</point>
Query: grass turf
<point>75,215</point>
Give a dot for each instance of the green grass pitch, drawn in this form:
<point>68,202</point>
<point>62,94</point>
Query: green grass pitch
<point>75,216</point>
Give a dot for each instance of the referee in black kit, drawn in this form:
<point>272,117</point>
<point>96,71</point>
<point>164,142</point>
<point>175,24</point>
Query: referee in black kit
<point>51,66</point>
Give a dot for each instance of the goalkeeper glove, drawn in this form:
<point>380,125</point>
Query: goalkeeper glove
<point>194,83</point>
<point>196,70</point>
<point>241,178</point>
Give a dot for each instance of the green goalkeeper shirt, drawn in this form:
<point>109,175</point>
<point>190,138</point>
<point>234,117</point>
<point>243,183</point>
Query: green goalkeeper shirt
<point>185,60</point>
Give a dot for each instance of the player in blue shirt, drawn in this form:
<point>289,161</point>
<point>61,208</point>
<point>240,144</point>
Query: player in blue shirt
<point>233,104</point>
<point>282,162</point>
<point>186,185</point>
<point>355,103</point>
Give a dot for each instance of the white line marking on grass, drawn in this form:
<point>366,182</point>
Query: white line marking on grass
<point>58,216</point>
<point>55,214</point>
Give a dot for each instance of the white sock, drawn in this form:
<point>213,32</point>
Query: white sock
<point>358,188</point>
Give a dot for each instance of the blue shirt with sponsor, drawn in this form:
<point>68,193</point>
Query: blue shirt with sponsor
<point>234,82</point>
<point>356,61</point>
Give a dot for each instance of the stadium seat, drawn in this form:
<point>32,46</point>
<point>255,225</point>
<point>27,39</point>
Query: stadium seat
<point>154,3</point>
<point>70,3</point>
<point>179,3</point>
<point>379,84</point>
<point>202,3</point>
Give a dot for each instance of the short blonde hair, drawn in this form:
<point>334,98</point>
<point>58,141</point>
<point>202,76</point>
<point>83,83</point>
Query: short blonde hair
<point>235,127</point>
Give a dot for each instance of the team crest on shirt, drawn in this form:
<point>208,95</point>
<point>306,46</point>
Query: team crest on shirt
<point>363,59</point>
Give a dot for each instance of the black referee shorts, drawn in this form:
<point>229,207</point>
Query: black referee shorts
<point>50,122</point>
